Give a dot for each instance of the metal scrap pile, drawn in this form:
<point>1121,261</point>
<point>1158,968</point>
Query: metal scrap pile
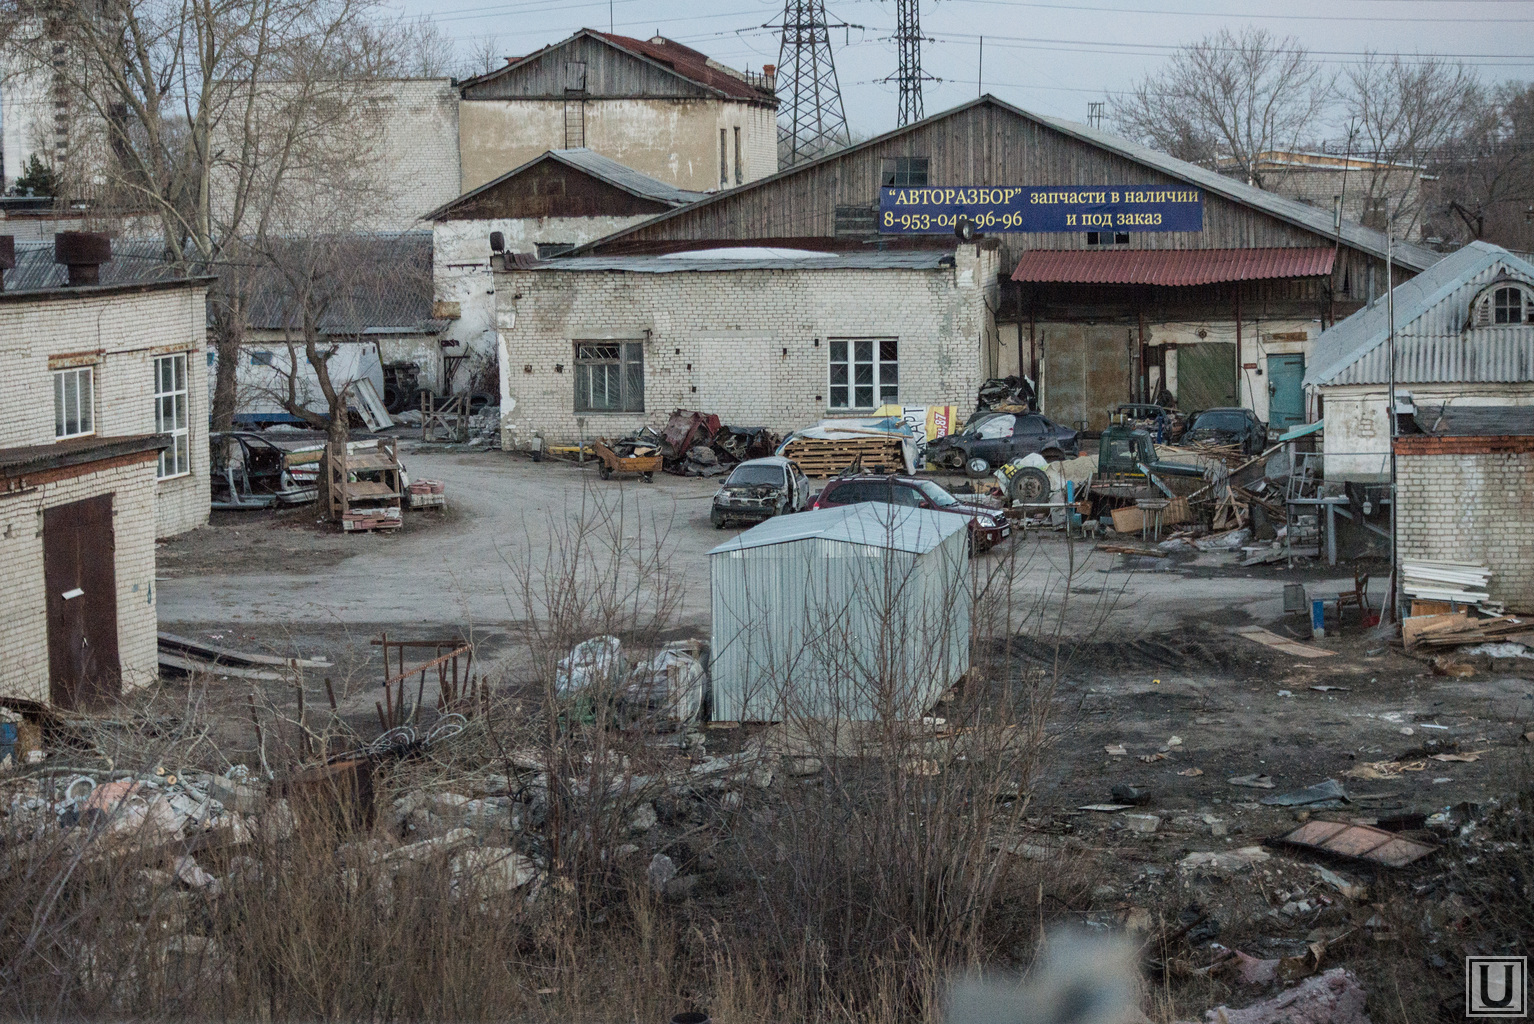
<point>697,444</point>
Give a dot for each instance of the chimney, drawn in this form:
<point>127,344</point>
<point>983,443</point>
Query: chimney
<point>7,257</point>
<point>770,72</point>
<point>83,252</point>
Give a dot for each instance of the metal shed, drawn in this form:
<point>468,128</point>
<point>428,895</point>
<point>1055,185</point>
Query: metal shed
<point>860,612</point>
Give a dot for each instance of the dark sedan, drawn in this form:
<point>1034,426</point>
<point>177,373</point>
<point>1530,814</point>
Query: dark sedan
<point>1239,427</point>
<point>987,526</point>
<point>994,439</point>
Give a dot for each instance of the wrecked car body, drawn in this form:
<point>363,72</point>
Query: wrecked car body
<point>249,471</point>
<point>759,489</point>
<point>994,439</point>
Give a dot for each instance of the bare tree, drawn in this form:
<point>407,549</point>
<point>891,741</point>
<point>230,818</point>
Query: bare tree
<point>1402,112</point>
<point>206,113</point>
<point>1484,186</point>
<point>484,56</point>
<point>1225,100</point>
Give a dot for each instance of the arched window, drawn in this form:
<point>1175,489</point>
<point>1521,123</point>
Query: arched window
<point>1505,302</point>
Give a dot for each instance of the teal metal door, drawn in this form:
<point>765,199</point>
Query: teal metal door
<point>1286,393</point>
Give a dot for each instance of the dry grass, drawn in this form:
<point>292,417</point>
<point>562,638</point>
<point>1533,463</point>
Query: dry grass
<point>847,894</point>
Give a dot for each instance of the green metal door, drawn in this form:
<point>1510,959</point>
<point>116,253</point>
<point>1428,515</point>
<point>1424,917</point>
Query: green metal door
<point>1206,376</point>
<point>1286,393</point>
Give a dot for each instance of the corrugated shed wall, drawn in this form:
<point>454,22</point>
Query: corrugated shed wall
<point>1437,347</point>
<point>826,629</point>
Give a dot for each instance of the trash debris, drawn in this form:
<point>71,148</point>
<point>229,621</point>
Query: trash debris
<point>1105,808</point>
<point>1332,689</point>
<point>1474,755</point>
<point>1125,793</point>
<point>1330,792</point>
<point>661,870</point>
<point>1334,997</point>
<point>1348,889</point>
<point>1252,781</point>
<point>1385,769</point>
<point>1191,773</point>
<point>598,661</point>
<point>1358,842</point>
<point>1140,822</point>
<point>1225,861</point>
<point>1152,758</point>
<point>1117,750</point>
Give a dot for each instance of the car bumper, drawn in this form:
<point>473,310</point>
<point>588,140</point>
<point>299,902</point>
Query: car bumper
<point>757,512</point>
<point>989,536</point>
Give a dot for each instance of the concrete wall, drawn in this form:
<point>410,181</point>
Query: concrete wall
<point>461,269</point>
<point>673,140</point>
<point>1470,505</point>
<point>1357,439</point>
<point>24,626</point>
<point>749,345</point>
<point>120,334</point>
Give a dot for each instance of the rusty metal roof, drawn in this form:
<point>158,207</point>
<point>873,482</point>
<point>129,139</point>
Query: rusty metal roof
<point>1171,268</point>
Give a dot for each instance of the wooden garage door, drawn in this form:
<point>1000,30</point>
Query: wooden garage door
<point>1086,372</point>
<point>81,582</point>
<point>1206,376</point>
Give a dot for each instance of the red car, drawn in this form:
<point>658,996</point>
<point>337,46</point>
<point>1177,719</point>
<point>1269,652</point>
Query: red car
<point>987,526</point>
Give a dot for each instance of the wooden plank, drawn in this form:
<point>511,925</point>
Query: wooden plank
<point>1279,643</point>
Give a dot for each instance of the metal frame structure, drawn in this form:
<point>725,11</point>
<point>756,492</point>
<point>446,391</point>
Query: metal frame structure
<point>908,40</point>
<point>816,120</point>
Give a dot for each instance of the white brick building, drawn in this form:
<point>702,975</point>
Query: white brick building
<point>1468,498</point>
<point>550,204</point>
<point>778,338</point>
<point>103,449</point>
<point>1464,336</point>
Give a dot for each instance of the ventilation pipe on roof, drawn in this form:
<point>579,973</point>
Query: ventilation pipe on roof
<point>83,252</point>
<point>7,257</point>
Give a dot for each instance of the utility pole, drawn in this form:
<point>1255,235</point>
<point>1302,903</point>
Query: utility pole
<point>1390,315</point>
<point>812,121</point>
<point>908,40</point>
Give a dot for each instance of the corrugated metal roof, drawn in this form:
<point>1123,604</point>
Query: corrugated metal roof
<point>679,263</point>
<point>1432,344</point>
<point>134,261</point>
<point>872,524</point>
<point>1171,267</point>
<point>586,161</point>
<point>1312,218</point>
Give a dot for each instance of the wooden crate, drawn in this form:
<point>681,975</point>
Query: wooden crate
<point>823,458</point>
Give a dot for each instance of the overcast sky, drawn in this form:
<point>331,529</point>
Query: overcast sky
<point>1051,56</point>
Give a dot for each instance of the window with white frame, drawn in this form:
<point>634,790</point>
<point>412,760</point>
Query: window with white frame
<point>74,402</point>
<point>864,372</point>
<point>170,414</point>
<point>609,376</point>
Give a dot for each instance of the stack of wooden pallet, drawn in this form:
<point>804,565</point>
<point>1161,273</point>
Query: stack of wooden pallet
<point>1460,628</point>
<point>824,457</point>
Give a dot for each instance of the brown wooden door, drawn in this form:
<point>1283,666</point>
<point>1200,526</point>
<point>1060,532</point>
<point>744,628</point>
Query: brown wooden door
<point>81,580</point>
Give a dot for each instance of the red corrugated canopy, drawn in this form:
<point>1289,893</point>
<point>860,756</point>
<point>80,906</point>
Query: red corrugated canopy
<point>1171,267</point>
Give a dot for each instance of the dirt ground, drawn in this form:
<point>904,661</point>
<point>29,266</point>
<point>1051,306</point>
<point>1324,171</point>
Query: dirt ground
<point>1149,664</point>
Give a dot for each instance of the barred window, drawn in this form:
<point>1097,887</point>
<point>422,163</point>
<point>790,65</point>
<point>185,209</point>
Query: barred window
<point>609,376</point>
<point>74,402</point>
<point>864,373</point>
<point>170,415</point>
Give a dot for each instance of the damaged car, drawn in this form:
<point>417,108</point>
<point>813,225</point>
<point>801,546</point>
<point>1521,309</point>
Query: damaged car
<point>759,489</point>
<point>249,471</point>
<point>1237,427</point>
<point>992,439</point>
<point>987,526</point>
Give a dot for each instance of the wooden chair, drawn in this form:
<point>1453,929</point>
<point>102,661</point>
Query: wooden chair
<point>1358,596</point>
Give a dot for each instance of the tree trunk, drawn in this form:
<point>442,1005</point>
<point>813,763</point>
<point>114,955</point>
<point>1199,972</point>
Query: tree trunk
<point>228,335</point>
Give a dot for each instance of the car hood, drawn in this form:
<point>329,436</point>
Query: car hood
<point>1211,433</point>
<point>964,508</point>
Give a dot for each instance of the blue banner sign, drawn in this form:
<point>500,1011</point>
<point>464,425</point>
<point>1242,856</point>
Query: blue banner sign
<point>930,211</point>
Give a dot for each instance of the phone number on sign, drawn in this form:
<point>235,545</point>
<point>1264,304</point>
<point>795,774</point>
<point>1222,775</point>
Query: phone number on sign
<point>928,221</point>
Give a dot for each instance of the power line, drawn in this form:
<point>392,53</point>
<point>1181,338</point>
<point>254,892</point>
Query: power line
<point>1227,15</point>
<point>816,119</point>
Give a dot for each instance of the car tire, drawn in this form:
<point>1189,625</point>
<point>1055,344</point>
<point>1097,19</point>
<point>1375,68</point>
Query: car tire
<point>1030,485</point>
<point>975,467</point>
<point>717,520</point>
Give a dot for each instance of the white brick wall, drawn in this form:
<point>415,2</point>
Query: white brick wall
<point>1471,508</point>
<point>24,626</point>
<point>122,331</point>
<point>741,344</point>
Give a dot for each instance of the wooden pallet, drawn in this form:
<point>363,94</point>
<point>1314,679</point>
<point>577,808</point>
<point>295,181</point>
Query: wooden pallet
<point>820,458</point>
<point>353,522</point>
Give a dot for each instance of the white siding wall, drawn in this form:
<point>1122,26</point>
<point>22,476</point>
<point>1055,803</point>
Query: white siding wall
<point>1357,439</point>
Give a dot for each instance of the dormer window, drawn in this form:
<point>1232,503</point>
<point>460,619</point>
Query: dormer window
<point>1504,302</point>
<point>1508,306</point>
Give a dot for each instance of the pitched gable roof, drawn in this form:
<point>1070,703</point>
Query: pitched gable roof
<point>593,164</point>
<point>1430,314</point>
<point>686,63</point>
<point>1290,211</point>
